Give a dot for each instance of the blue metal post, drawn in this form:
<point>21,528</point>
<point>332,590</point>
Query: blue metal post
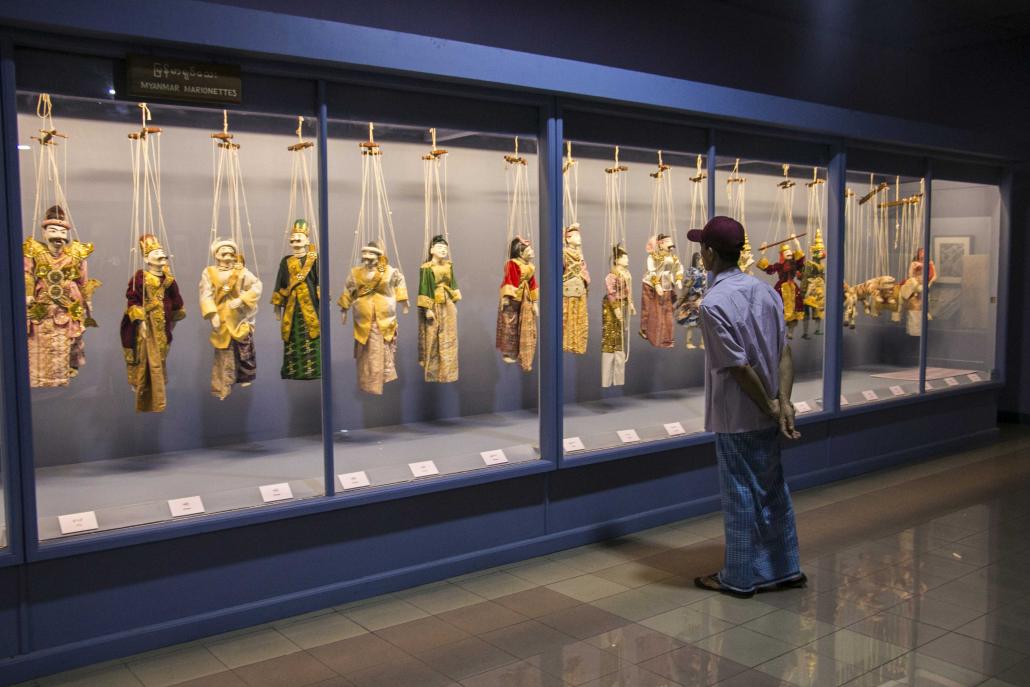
<point>1001,327</point>
<point>324,312</point>
<point>926,228</point>
<point>833,353</point>
<point>550,340</point>
<point>20,477</point>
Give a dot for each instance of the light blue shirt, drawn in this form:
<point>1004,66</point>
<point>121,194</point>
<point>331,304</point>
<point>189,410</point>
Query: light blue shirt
<point>742,324</point>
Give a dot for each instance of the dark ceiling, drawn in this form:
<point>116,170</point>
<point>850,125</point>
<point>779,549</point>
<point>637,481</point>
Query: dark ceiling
<point>955,62</point>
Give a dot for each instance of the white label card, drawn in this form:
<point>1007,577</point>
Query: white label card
<point>353,480</point>
<point>974,377</point>
<point>276,492</point>
<point>674,429</point>
<point>897,390</point>
<point>802,407</point>
<point>843,401</point>
<point>78,522</point>
<point>573,444</point>
<point>870,395</point>
<point>628,436</point>
<point>423,468</point>
<point>191,505</point>
<point>951,381</point>
<point>495,457</point>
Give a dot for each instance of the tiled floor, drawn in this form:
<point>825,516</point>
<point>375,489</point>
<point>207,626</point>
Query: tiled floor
<point>917,577</point>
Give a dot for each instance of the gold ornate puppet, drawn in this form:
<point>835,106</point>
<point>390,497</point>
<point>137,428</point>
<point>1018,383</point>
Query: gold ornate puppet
<point>296,296</point>
<point>438,290</point>
<point>813,274</point>
<point>575,277</point>
<point>153,302</point>
<point>517,308</point>
<point>229,291</point>
<point>374,287</point>
<point>58,290</point>
<point>787,270</point>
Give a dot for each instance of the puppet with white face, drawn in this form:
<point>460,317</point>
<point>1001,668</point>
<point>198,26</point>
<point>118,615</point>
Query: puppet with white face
<point>296,299</point>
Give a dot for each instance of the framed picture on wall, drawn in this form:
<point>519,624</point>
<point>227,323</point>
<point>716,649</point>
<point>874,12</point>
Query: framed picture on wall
<point>948,252</point>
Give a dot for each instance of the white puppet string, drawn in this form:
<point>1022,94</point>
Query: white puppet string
<point>615,229</point>
<point>301,187</point>
<point>570,187</point>
<point>782,224</point>
<point>50,190</point>
<point>663,211</point>
<point>517,186</point>
<point>698,196</point>
<point>147,213</point>
<point>434,175</point>
<point>226,166</point>
<point>375,218</point>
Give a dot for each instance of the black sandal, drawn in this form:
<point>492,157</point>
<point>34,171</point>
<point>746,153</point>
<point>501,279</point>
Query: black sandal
<point>712,584</point>
<point>799,582</point>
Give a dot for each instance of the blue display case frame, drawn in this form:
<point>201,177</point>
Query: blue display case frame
<point>326,52</point>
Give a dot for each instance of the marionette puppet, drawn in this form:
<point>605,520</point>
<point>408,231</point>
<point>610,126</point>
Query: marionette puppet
<point>575,286</point>
<point>617,306</point>
<point>688,309</point>
<point>616,310</point>
<point>58,290</point>
<point>229,291</point>
<point>664,274</point>
<point>438,315</point>
<point>295,300</point>
<point>374,287</point>
<point>153,306</point>
<point>296,296</point>
<point>911,293</point>
<point>58,301</point>
<point>438,291</point>
<point>373,290</point>
<point>518,309</point>
<point>786,271</point>
<point>229,297</point>
<point>153,301</point>
<point>662,278</point>
<point>813,286</point>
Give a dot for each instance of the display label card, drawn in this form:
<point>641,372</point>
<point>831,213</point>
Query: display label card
<point>951,381</point>
<point>870,395</point>
<point>974,377</point>
<point>191,505</point>
<point>495,457</point>
<point>897,390</point>
<point>674,429</point>
<point>843,401</point>
<point>276,492</point>
<point>628,436</point>
<point>573,444</point>
<point>78,522</point>
<point>423,468</point>
<point>802,407</point>
<point>353,480</point>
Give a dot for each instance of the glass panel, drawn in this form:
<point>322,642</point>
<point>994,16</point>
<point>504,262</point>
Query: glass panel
<point>420,388</point>
<point>628,376</point>
<point>783,210</point>
<point>122,438</point>
<point>883,238</point>
<point>4,503</point>
<point>965,225</point>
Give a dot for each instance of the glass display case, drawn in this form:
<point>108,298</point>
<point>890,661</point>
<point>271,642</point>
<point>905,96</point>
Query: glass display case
<point>965,232</point>
<point>884,230</point>
<point>436,279</point>
<point>631,289</point>
<point>782,206</point>
<point>153,239</point>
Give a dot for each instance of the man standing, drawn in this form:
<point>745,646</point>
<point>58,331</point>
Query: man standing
<point>748,379</point>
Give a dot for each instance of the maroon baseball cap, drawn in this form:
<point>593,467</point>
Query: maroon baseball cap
<point>721,233</point>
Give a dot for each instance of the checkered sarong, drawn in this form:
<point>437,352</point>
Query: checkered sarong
<point>761,537</point>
